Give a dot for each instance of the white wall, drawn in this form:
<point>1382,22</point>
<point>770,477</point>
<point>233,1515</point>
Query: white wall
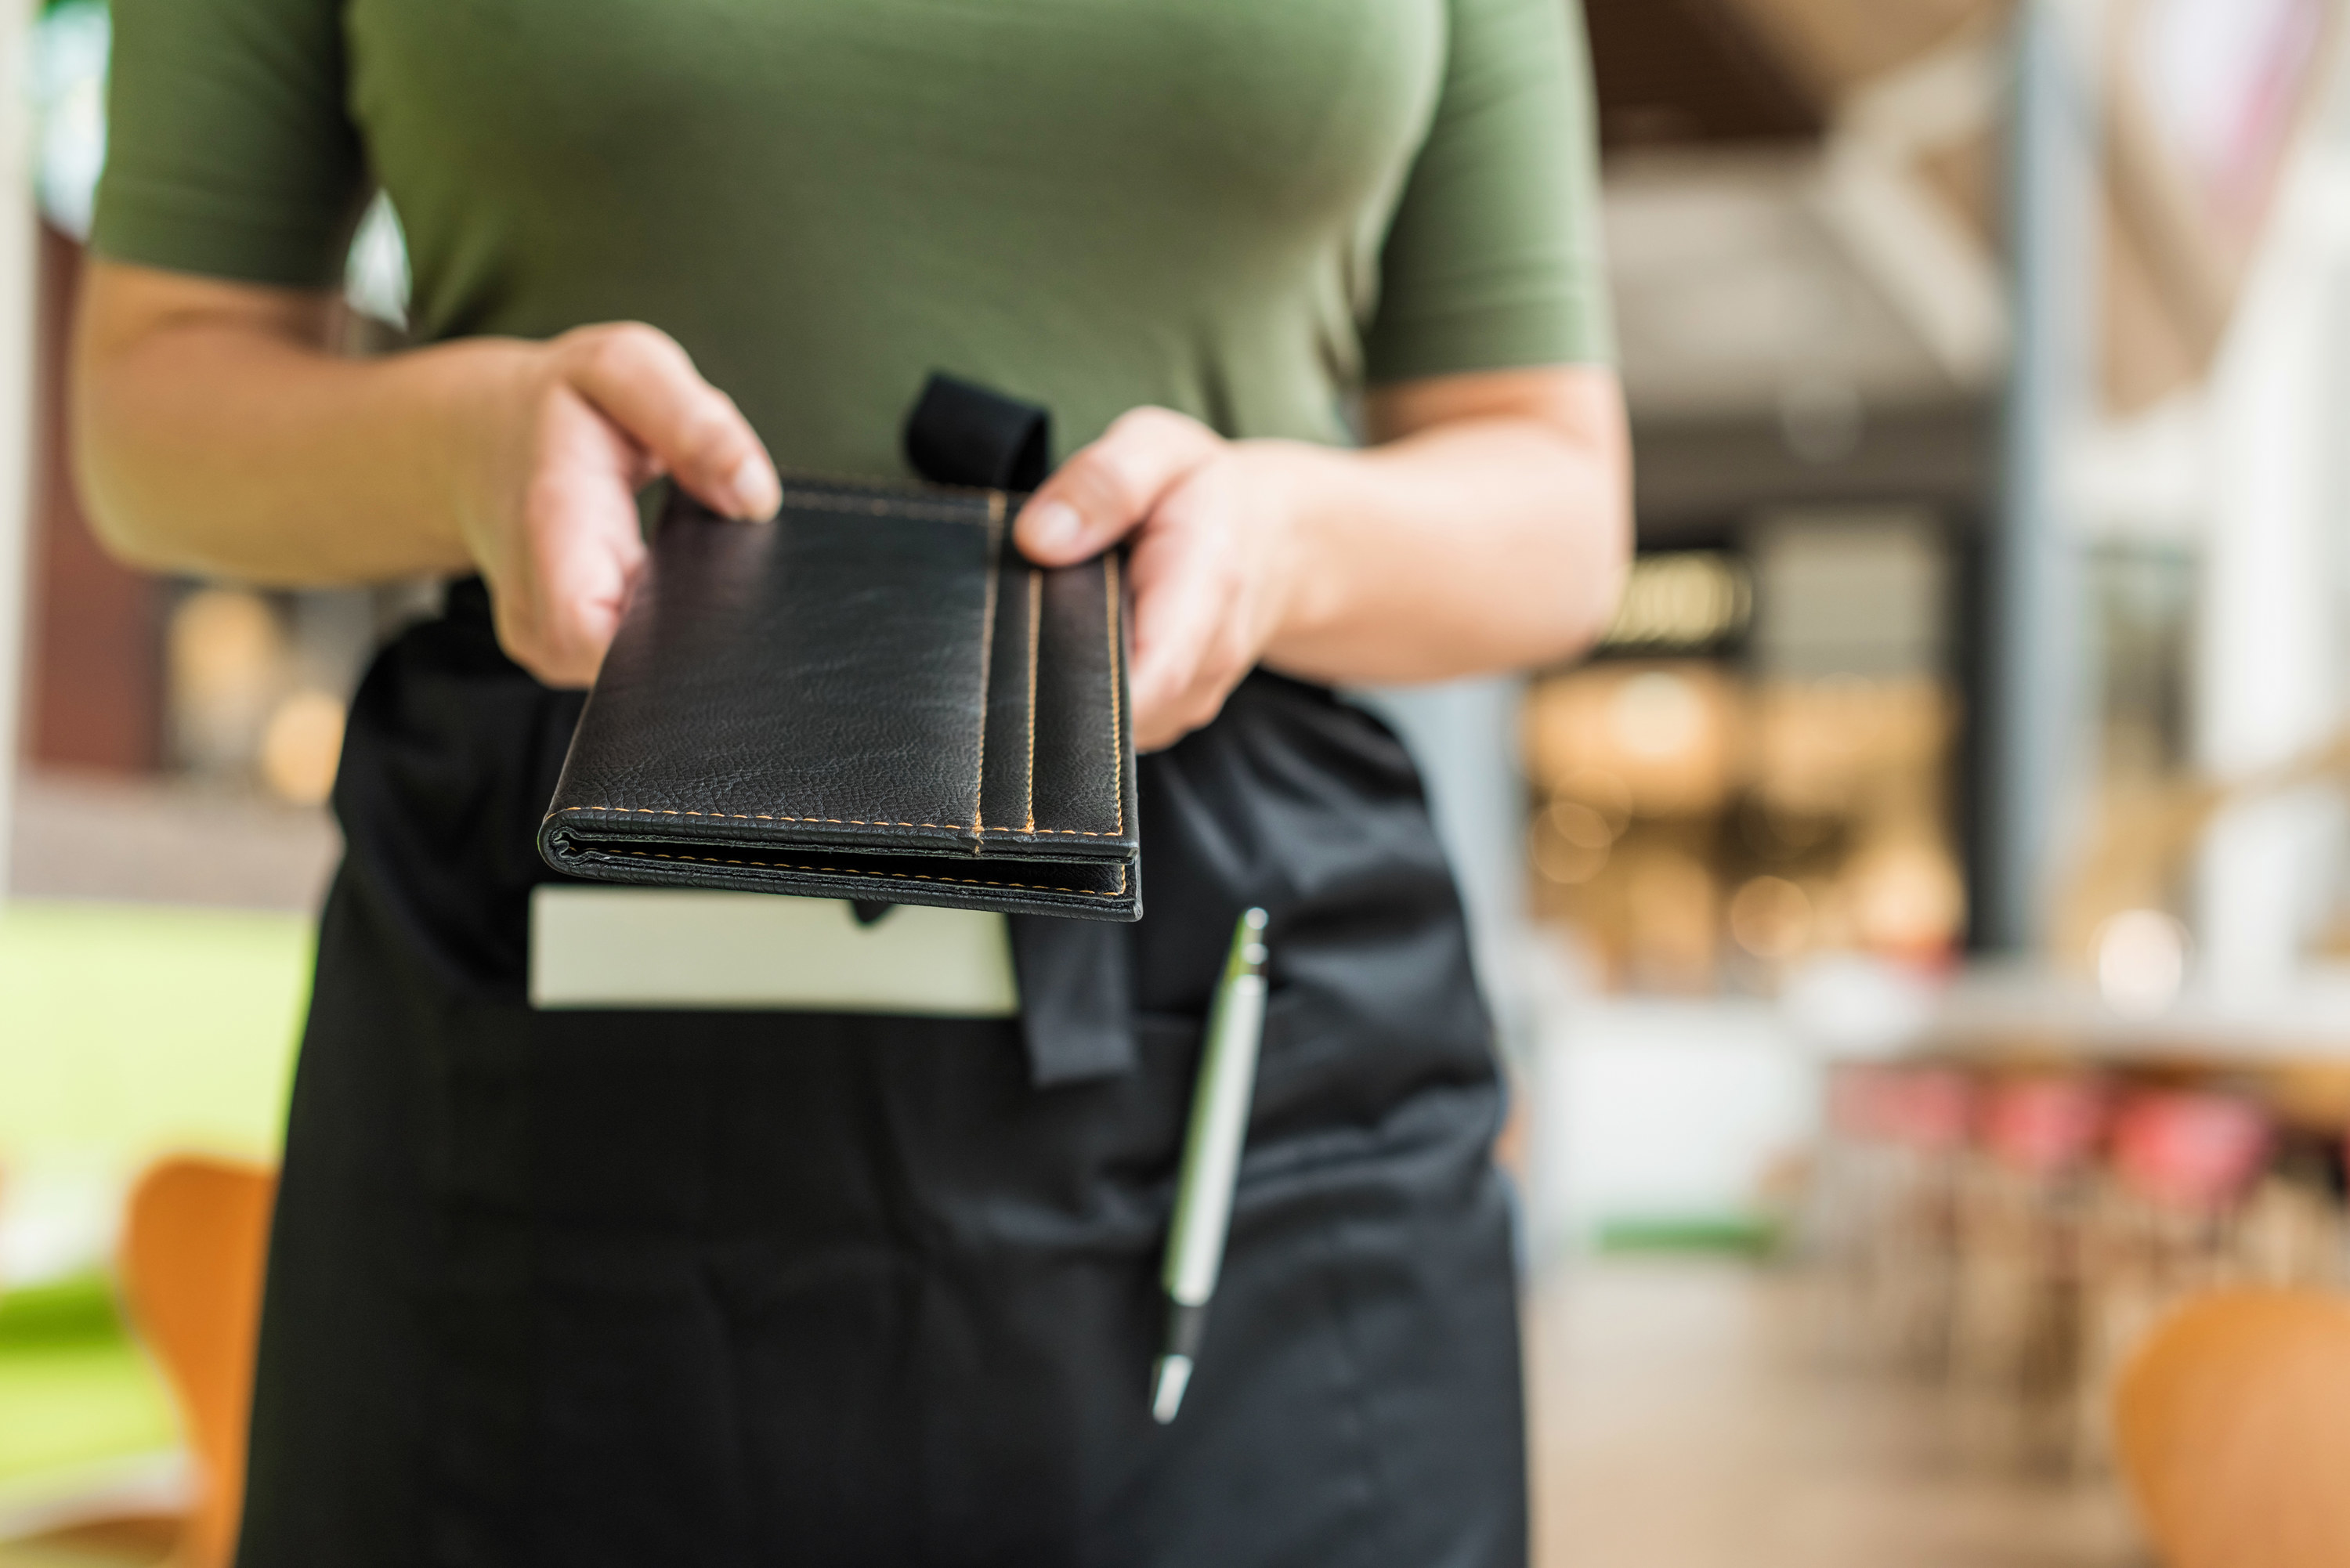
<point>1662,1110</point>
<point>2269,677</point>
<point>15,398</point>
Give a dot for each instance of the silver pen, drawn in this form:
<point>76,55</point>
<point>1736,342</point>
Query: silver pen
<point>1212,1160</point>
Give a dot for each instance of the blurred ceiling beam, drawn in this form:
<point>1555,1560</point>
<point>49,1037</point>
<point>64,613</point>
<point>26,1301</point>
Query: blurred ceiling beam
<point>1906,182</point>
<point>1680,73</point>
<point>1748,281</point>
<point>1700,480</point>
<point>1836,45</point>
<point>1683,72</point>
<point>1797,204</point>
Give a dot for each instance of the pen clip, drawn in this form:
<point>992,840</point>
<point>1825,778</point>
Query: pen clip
<point>1248,955</point>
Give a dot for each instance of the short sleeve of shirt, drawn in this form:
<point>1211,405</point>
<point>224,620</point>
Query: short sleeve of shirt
<point>1493,260</point>
<point>229,150</point>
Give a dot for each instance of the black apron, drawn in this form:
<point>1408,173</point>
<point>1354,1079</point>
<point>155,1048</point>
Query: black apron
<point>764,1288</point>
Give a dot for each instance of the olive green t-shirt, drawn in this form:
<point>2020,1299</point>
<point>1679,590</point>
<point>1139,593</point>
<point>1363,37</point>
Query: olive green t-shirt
<point>1243,209</point>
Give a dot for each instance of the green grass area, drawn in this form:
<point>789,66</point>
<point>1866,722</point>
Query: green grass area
<point>1741,1235</point>
<point>128,1030</point>
<point>76,1391</point>
<point>77,1311</point>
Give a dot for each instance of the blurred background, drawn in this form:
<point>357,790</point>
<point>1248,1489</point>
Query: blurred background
<point>1921,933</point>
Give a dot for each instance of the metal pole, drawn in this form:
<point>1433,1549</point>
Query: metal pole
<point>2032,630</point>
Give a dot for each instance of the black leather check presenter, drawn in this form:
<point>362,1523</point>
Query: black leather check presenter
<point>872,697</point>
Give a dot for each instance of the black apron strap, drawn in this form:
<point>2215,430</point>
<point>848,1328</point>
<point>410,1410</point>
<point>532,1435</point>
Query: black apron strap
<point>1076,998</point>
<point>1076,983</point>
<point>963,433</point>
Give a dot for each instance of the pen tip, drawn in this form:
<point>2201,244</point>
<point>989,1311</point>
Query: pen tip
<point>1167,1389</point>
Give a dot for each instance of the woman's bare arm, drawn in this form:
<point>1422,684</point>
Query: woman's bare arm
<point>214,433</point>
<point>1488,529</point>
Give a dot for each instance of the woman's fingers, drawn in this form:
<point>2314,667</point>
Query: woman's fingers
<point>584,568</point>
<point>591,417</point>
<point>1098,496</point>
<point>647,384</point>
<point>1139,475</point>
<point>572,553</point>
<point>1192,594</point>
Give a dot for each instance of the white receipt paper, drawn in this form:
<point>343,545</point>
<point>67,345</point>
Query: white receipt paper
<point>606,947</point>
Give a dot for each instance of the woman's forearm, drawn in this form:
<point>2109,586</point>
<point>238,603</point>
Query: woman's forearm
<point>217,437</point>
<point>1478,544</point>
<point>214,435</point>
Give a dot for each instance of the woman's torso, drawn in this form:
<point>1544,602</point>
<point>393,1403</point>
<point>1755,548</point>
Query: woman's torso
<point>1169,202</point>
<point>532,1268</point>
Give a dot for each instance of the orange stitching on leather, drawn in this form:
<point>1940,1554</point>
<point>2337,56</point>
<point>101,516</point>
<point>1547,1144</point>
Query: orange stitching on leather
<point>1036,624</point>
<point>1117,727</point>
<point>836,821</point>
<point>886,506</point>
<point>883,483</point>
<point>756,816</point>
<point>986,653</point>
<point>887,875</point>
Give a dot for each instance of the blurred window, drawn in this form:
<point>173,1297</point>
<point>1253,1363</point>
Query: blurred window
<point>1757,769</point>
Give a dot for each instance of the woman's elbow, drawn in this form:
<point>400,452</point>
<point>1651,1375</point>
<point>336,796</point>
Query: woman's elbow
<point>103,445</point>
<point>136,534</point>
<point>1592,536</point>
<point>159,366</point>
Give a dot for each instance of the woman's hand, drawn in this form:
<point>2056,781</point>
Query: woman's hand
<point>555,448</point>
<point>216,434</point>
<point>1487,530</point>
<point>1211,563</point>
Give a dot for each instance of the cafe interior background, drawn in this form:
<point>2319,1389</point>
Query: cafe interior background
<point>1921,933</point>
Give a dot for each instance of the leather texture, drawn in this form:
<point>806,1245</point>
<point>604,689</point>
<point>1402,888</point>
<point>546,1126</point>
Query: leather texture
<point>873,697</point>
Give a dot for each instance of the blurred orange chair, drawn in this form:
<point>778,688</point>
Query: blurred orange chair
<point>193,1243</point>
<point>2230,1422</point>
<point>2166,1228</point>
